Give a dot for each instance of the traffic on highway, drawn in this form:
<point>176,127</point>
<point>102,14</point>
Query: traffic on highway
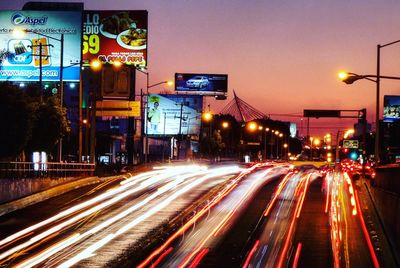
<point>186,215</point>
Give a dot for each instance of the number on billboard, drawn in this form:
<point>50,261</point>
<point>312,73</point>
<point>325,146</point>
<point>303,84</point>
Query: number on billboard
<point>91,44</point>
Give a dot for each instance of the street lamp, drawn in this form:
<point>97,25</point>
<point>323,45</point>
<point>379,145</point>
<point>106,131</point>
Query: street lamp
<point>265,142</point>
<point>270,143</point>
<point>225,124</point>
<point>277,134</point>
<point>144,116</point>
<point>285,146</point>
<point>252,126</point>
<point>348,133</point>
<point>311,144</point>
<point>351,77</point>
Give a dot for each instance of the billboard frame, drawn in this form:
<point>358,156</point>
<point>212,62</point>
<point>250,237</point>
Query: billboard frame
<point>202,83</point>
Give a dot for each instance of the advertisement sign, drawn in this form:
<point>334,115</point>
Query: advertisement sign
<point>110,36</point>
<point>391,108</point>
<point>173,114</point>
<point>40,28</point>
<point>203,84</point>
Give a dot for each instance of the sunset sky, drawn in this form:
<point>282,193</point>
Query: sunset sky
<point>281,56</point>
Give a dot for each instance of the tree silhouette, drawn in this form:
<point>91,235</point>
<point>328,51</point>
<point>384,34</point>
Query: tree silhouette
<point>16,120</point>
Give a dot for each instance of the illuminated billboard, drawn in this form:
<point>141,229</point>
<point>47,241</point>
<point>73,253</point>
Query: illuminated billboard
<point>41,27</point>
<point>203,84</point>
<point>173,114</point>
<point>111,36</point>
<point>391,108</point>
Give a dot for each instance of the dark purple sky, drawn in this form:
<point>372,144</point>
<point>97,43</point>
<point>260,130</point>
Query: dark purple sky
<point>281,56</point>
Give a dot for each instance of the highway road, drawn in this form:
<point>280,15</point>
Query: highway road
<point>196,215</point>
<point>83,231</point>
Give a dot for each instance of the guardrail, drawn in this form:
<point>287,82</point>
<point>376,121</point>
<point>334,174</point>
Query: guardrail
<point>17,170</point>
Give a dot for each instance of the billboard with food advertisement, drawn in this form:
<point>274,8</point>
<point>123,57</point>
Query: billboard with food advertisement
<point>22,33</point>
<point>203,84</point>
<point>111,36</point>
<point>173,114</point>
<point>391,108</point>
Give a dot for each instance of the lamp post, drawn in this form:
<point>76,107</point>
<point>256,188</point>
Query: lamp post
<point>270,143</point>
<point>277,143</point>
<point>265,142</point>
<point>285,146</point>
<point>145,109</point>
<point>351,77</point>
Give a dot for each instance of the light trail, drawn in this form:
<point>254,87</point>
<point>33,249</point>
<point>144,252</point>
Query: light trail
<point>89,251</point>
<point>288,236</point>
<point>251,253</point>
<point>297,255</point>
<point>302,197</point>
<point>69,211</point>
<point>277,193</point>
<point>366,235</point>
<point>42,256</point>
<point>145,181</point>
<point>226,219</point>
<point>279,228</point>
<point>229,188</point>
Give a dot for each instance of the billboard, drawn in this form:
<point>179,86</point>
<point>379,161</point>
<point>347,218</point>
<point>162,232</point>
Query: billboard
<point>203,84</point>
<point>173,114</point>
<point>41,27</point>
<point>110,36</point>
<point>391,108</point>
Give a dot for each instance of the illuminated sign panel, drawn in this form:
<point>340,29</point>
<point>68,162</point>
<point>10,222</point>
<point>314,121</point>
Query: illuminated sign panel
<point>203,84</point>
<point>111,36</point>
<point>391,108</point>
<point>173,114</point>
<point>41,27</point>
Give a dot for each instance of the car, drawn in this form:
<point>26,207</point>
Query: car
<point>197,82</point>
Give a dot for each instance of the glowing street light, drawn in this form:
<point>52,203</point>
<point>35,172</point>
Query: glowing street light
<point>349,78</point>
<point>95,65</point>
<point>207,116</point>
<point>317,142</point>
<point>348,133</point>
<point>252,126</point>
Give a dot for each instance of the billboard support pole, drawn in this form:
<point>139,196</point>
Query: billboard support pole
<point>93,119</point>
<point>131,123</point>
<point>40,71</point>
<point>180,132</point>
<point>61,90</point>
<point>146,139</point>
<point>143,133</point>
<point>80,133</point>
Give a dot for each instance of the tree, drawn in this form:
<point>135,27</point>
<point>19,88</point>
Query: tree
<point>49,125</point>
<point>16,120</point>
